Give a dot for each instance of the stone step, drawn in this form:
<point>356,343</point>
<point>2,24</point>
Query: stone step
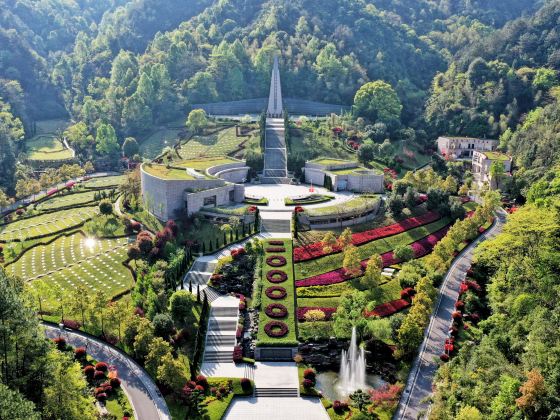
<point>224,311</point>
<point>204,266</point>
<point>220,340</point>
<point>222,325</point>
<point>276,392</point>
<point>196,277</point>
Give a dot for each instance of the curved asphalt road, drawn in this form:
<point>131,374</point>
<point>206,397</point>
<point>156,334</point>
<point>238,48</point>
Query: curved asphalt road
<point>145,398</point>
<point>414,401</point>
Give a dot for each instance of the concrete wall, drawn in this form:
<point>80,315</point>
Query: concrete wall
<point>346,219</point>
<point>161,196</point>
<point>315,176</point>
<point>235,175</point>
<point>213,170</point>
<point>195,200</point>
<point>275,353</point>
<point>365,183</point>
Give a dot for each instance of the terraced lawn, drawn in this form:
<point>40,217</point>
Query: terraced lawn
<point>44,224</point>
<point>105,181</point>
<point>64,251</point>
<point>47,147</point>
<point>152,146</point>
<point>66,200</point>
<point>332,262</point>
<point>219,144</point>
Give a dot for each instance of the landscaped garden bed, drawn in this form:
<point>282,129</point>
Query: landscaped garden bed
<point>308,199</point>
<point>277,323</point>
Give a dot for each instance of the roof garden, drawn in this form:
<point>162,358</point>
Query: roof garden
<point>178,170</point>
<point>496,156</point>
<point>359,170</point>
<point>331,161</point>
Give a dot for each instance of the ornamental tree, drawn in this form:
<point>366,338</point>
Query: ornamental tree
<point>329,241</point>
<point>197,120</point>
<point>377,101</point>
<point>372,276</point>
<point>351,262</point>
<point>345,238</point>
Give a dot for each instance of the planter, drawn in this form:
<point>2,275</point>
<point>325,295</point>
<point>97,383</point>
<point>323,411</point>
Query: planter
<point>276,329</point>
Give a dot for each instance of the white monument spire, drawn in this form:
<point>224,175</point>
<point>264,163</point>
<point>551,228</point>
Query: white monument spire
<point>275,96</point>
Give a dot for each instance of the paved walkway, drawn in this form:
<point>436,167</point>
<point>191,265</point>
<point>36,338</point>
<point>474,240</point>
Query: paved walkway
<point>414,401</point>
<point>145,398</point>
<point>258,408</point>
<point>277,193</point>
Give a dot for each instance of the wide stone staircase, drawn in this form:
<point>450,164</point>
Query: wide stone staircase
<point>276,392</point>
<point>220,336</point>
<point>275,155</point>
<point>275,226</point>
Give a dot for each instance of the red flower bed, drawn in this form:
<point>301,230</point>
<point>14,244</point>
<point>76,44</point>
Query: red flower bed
<point>388,308</point>
<point>276,292</point>
<point>276,261</point>
<point>276,276</point>
<point>301,311</point>
<point>276,329</point>
<point>276,243</point>
<point>315,250</point>
<point>276,310</point>
<point>421,248</point>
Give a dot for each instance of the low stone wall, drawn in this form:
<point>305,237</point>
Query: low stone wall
<point>365,183</point>
<point>194,201</point>
<point>350,218</point>
<point>214,170</point>
<point>235,175</point>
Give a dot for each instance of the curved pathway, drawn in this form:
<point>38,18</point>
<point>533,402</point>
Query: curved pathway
<point>414,400</point>
<point>145,398</point>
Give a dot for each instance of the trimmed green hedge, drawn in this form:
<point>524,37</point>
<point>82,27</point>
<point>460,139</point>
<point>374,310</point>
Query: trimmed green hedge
<point>312,199</point>
<point>289,301</point>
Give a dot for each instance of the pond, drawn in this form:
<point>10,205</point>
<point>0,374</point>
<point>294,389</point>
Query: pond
<point>327,383</point>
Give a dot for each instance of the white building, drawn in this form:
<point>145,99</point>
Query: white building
<point>481,163</point>
<point>344,175</point>
<point>464,147</point>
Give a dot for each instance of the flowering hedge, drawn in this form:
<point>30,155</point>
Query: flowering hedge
<point>276,329</point>
<point>388,308</point>
<point>421,248</point>
<point>315,250</point>
<point>301,311</point>
<point>276,310</point>
<point>276,261</point>
<point>276,276</point>
<point>276,292</point>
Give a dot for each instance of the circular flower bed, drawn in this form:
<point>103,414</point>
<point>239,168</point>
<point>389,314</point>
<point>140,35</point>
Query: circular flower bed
<point>276,329</point>
<point>276,310</point>
<point>276,292</point>
<point>276,261</point>
<point>276,276</point>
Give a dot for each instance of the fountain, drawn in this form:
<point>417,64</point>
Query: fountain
<point>352,374</point>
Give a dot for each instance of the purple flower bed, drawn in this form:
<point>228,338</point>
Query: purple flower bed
<point>276,329</point>
<point>276,276</point>
<point>276,292</point>
<point>273,250</point>
<point>276,261</point>
<point>276,310</point>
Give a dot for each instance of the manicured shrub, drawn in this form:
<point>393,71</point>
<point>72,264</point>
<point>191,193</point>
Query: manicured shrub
<point>459,305</point>
<point>60,343</point>
<point>276,292</point>
<point>276,276</point>
<point>237,354</point>
<point>276,243</point>
<point>199,388</point>
<point>273,250</point>
<point>407,293</point>
<point>89,370</point>
<point>456,315</point>
<point>276,310</point>
<point>444,357</point>
<point>276,261</point>
<point>102,366</point>
<point>80,352</point>
<point>316,313</point>
<point>309,374</point>
<point>202,381</point>
<point>98,374</point>
<point>339,406</point>
<point>246,384</point>
<point>115,382</point>
<point>308,383</point>
<point>276,329</point>
<point>242,305</point>
<point>388,308</point>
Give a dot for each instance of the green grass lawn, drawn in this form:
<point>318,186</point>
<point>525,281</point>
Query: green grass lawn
<point>66,200</point>
<point>310,199</point>
<point>152,145</point>
<point>332,262</point>
<point>47,147</point>
<point>289,301</point>
<point>46,223</point>
<point>389,290</point>
<point>222,143</point>
<point>362,202</point>
<point>311,144</point>
<point>64,251</point>
<point>105,181</point>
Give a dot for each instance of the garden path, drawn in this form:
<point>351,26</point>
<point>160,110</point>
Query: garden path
<point>258,408</point>
<point>144,396</point>
<point>414,401</point>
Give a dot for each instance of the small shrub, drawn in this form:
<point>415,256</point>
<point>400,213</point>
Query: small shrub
<point>246,384</point>
<point>60,343</point>
<point>101,396</point>
<point>309,374</point>
<point>314,315</point>
<point>80,352</point>
<point>202,381</point>
<point>115,382</point>
<point>308,383</point>
<point>89,370</point>
<point>99,374</point>
<point>102,366</point>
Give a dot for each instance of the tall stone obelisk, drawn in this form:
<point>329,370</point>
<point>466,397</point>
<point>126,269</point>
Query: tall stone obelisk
<point>275,109</point>
<point>275,153</point>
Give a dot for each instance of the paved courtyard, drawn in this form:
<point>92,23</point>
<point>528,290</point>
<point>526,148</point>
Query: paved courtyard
<point>278,192</point>
<point>276,409</point>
